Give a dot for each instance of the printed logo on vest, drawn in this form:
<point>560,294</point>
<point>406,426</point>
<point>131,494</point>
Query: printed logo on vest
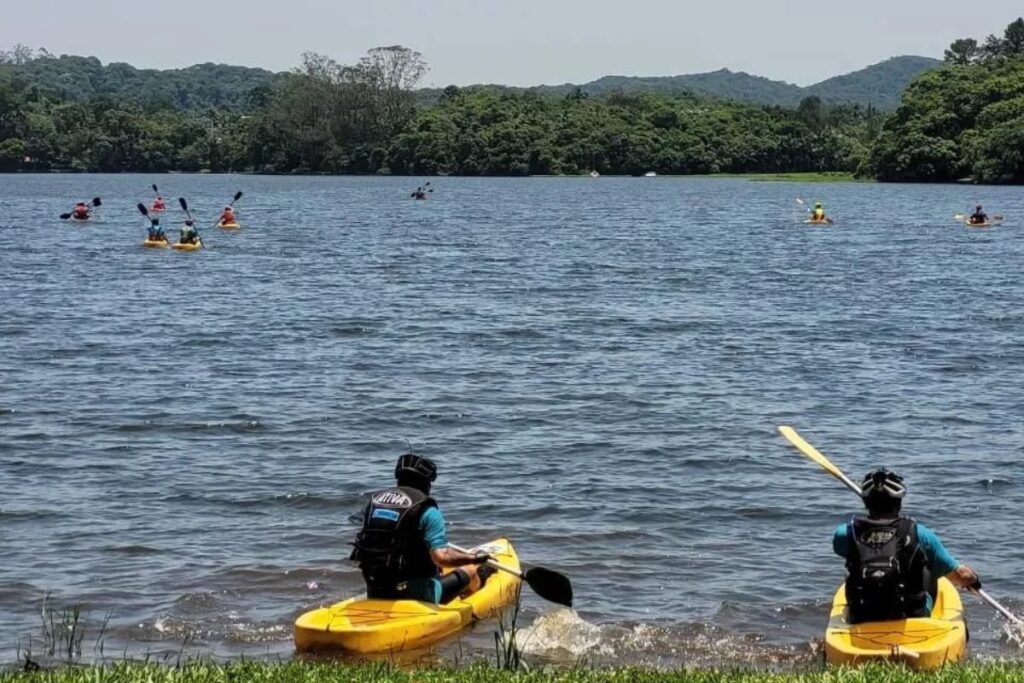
<point>393,499</point>
<point>389,515</point>
<point>878,537</point>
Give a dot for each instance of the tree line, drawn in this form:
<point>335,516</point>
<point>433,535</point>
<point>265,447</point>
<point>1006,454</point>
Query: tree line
<point>963,120</point>
<point>363,118</point>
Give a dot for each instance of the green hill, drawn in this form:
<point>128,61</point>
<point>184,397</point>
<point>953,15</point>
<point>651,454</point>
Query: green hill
<point>879,85</point>
<point>232,87</point>
<point>193,88</point>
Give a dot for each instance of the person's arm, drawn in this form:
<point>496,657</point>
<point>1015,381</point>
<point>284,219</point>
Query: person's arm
<point>450,557</point>
<point>942,563</point>
<point>435,534</point>
<point>841,540</point>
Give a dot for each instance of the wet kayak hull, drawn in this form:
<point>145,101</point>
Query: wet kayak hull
<point>229,226</point>
<point>364,626</point>
<point>923,644</point>
<point>155,244</point>
<point>187,247</point>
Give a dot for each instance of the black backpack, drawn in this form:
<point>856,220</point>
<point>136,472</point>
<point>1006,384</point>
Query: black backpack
<point>887,571</point>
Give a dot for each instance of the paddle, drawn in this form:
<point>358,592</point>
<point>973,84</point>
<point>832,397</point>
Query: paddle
<point>184,207</point>
<point>816,456</point>
<point>96,203</point>
<point>547,583</point>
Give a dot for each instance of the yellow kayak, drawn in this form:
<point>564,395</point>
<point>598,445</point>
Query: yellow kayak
<point>187,246</point>
<point>154,244</point>
<point>229,226</point>
<point>925,644</point>
<point>365,626</point>
<point>815,221</point>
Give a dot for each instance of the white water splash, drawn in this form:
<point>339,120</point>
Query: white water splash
<point>564,636</point>
<point>1015,634</point>
<point>562,630</point>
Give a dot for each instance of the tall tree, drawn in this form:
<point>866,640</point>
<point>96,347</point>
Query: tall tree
<point>1013,39</point>
<point>962,51</point>
<point>391,73</point>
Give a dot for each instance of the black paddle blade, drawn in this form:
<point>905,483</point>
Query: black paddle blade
<point>142,209</point>
<point>155,190</point>
<point>238,195</point>
<point>65,216</point>
<point>550,585</point>
<point>96,201</point>
<point>184,204</point>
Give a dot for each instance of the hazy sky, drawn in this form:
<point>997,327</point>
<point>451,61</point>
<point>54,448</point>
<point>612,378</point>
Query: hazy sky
<point>516,42</point>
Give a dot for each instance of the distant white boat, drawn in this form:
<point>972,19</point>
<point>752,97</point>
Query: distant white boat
<point>650,174</point>
<point>595,174</point>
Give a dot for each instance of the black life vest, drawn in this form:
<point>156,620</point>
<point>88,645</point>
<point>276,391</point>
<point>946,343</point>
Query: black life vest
<point>887,571</point>
<point>390,548</point>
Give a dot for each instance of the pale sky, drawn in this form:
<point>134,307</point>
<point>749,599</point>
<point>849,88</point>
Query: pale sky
<point>514,42</point>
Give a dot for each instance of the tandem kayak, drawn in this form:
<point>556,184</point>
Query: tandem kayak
<point>187,246</point>
<point>925,644</point>
<point>154,244</point>
<point>367,626</point>
<point>229,226</point>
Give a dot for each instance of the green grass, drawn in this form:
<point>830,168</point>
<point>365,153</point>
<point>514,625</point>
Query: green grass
<point>827,177</point>
<point>298,672</point>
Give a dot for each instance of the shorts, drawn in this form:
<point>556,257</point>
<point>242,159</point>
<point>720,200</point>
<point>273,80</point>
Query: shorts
<point>438,590</point>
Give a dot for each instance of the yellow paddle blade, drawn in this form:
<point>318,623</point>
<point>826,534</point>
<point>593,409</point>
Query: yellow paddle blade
<point>816,455</point>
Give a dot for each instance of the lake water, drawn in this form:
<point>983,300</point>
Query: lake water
<point>599,367</point>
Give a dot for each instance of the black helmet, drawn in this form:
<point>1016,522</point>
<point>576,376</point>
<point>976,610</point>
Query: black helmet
<point>883,484</point>
<point>412,465</point>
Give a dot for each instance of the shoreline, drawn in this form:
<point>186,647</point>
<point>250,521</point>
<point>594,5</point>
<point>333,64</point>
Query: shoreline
<point>799,176</point>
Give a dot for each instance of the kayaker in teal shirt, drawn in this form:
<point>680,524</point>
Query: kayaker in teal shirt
<point>403,544</point>
<point>892,561</point>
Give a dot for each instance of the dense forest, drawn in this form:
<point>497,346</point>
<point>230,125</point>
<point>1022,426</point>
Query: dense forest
<point>963,120</point>
<point>364,118</point>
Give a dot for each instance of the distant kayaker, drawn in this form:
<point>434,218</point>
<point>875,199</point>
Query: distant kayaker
<point>819,212</point>
<point>156,233</point>
<point>188,233</point>
<point>979,217</point>
<point>403,543</point>
<point>159,204</point>
<point>81,211</point>
<point>228,216</point>
<point>892,561</point>
<point>419,193</point>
